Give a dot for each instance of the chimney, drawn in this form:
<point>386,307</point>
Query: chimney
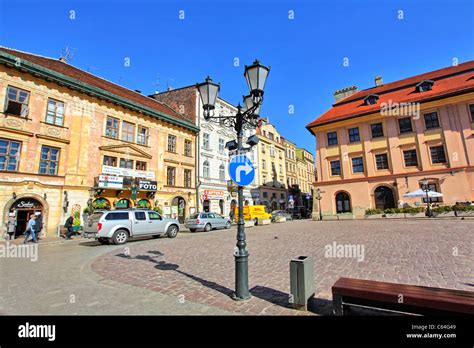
<point>169,89</point>
<point>344,93</point>
<point>138,91</point>
<point>62,59</point>
<point>378,81</point>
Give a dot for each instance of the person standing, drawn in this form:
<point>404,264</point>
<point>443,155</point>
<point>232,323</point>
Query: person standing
<point>11,225</point>
<point>38,225</point>
<point>68,225</point>
<point>30,229</point>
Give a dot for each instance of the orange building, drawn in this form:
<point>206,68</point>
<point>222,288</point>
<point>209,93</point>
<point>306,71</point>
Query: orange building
<point>375,145</point>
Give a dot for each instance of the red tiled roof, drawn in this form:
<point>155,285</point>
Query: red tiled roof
<point>85,77</point>
<point>447,81</point>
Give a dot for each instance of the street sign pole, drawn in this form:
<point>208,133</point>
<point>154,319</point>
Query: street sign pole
<point>241,255</point>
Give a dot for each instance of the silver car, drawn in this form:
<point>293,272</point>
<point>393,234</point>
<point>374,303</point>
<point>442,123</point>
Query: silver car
<point>117,226</point>
<point>207,222</point>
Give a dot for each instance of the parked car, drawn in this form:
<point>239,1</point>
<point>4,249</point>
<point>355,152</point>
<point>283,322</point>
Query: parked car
<point>253,212</point>
<point>207,222</point>
<point>281,213</point>
<point>117,226</point>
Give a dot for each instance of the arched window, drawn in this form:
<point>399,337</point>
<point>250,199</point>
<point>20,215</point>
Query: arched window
<point>205,170</point>
<point>222,172</point>
<point>384,199</point>
<point>343,203</point>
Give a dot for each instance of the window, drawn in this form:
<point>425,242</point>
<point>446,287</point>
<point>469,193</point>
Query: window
<point>110,161</point>
<point>172,143</point>
<point>55,112</point>
<point>357,165</point>
<point>221,145</point>
<point>142,136</point>
<point>270,135</point>
<point>274,195</point>
<point>381,161</point>
<point>49,160</point>
<point>128,131</point>
<point>112,127</point>
<point>205,141</point>
<point>126,163</point>
<point>264,165</point>
<point>171,176</point>
<point>354,135</point>
<point>153,215</point>
<point>437,154</point>
<point>272,151</point>
<point>187,178</point>
<point>432,187</point>
<point>332,138</point>
<point>281,169</point>
<point>9,155</point>
<point>280,155</point>
<point>335,168</point>
<point>263,148</point>
<point>17,101</point>
<point>282,196</point>
<point>431,120</point>
<point>140,165</point>
<point>377,130</point>
<point>410,158</point>
<point>405,125</point>
<point>188,148</point>
<point>140,215</point>
<point>471,109</point>
<point>205,170</point>
<point>265,194</point>
<point>117,216</point>
<point>221,172</point>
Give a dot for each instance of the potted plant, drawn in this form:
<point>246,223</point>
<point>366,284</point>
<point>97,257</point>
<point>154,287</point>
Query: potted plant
<point>76,224</point>
<point>414,212</point>
<point>373,214</point>
<point>463,210</point>
<point>394,213</point>
<point>443,211</point>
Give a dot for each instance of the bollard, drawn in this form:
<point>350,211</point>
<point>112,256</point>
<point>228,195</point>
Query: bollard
<point>301,281</point>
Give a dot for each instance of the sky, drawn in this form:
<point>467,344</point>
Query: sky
<point>313,47</point>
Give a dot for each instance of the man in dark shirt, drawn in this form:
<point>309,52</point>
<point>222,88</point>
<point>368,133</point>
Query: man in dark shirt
<point>68,225</point>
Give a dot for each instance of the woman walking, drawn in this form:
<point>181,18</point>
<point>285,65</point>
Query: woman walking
<point>30,229</point>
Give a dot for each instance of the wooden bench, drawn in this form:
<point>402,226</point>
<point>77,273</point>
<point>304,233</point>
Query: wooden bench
<point>401,298</point>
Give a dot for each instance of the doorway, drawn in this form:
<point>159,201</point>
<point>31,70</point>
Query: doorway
<point>343,203</point>
<point>384,198</point>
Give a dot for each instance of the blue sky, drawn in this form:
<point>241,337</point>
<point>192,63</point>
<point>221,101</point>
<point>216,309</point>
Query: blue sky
<point>306,53</point>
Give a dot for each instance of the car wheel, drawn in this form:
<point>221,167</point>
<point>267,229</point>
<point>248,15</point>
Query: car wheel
<point>192,229</point>
<point>172,231</point>
<point>120,237</point>
<point>103,241</point>
<point>208,227</point>
<point>228,225</point>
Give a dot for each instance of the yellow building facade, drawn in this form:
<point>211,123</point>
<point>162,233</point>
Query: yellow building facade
<point>69,139</point>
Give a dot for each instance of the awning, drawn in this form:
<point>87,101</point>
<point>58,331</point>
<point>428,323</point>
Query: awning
<point>421,193</point>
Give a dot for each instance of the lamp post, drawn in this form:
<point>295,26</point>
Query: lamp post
<point>246,118</point>
<point>318,197</point>
<point>425,187</point>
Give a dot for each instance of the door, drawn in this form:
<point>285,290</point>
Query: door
<point>383,196</point>
<point>218,221</point>
<point>156,221</point>
<point>343,203</point>
<point>141,225</point>
<point>22,221</point>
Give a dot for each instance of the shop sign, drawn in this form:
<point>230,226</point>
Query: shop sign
<point>166,210</point>
<point>213,194</point>
<point>147,185</point>
<point>27,203</point>
<point>127,172</point>
<point>108,181</point>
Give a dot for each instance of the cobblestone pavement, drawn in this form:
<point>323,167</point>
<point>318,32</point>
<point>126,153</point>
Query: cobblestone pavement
<point>199,268</point>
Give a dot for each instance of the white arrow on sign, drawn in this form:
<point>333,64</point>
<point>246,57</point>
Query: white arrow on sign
<point>245,167</point>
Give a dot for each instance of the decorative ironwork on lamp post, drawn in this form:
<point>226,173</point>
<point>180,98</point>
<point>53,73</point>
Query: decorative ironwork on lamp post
<point>319,197</point>
<point>246,118</point>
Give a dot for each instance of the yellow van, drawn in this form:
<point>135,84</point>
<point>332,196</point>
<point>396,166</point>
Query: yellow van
<point>253,212</point>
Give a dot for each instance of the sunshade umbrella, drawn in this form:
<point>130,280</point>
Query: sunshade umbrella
<point>421,193</point>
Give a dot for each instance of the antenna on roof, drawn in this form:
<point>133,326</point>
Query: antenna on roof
<point>66,54</point>
<point>168,87</point>
<point>157,83</point>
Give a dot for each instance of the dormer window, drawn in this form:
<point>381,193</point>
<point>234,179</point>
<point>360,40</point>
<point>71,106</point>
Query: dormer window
<point>424,86</point>
<point>371,99</point>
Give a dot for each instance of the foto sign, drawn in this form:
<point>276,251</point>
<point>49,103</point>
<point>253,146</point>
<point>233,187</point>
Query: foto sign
<point>241,170</point>
<point>147,185</point>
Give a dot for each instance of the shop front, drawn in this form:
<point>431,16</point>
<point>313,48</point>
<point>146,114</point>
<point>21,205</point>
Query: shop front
<point>20,209</point>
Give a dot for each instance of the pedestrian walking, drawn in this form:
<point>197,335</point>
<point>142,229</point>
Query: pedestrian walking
<point>30,230</point>
<point>38,225</point>
<point>68,225</point>
<point>11,226</point>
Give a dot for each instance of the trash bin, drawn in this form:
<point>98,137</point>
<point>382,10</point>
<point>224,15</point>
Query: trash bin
<point>301,281</point>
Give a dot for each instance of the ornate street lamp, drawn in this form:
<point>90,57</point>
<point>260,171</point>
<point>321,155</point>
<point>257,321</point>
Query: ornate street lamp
<point>425,187</point>
<point>246,118</point>
<point>318,197</point>
<point>91,197</point>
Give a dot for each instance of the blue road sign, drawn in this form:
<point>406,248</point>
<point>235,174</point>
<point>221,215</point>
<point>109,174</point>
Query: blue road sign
<point>241,170</point>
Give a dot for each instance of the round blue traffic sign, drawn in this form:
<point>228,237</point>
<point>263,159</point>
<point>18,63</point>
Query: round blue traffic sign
<point>241,170</point>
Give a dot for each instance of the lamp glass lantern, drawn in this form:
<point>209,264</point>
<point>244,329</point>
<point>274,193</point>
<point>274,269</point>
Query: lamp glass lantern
<point>256,76</point>
<point>208,91</point>
<point>249,103</point>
